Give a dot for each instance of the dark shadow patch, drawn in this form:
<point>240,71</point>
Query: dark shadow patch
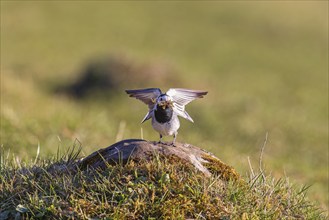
<point>109,74</point>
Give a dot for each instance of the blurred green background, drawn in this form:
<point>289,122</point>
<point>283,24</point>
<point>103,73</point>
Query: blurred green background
<point>265,65</point>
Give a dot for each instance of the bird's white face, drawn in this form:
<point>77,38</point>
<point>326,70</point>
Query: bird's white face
<point>164,101</point>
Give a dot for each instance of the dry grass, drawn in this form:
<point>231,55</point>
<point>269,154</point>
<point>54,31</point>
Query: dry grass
<point>162,188</point>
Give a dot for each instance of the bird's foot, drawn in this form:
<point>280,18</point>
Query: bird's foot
<point>160,141</point>
<point>174,140</point>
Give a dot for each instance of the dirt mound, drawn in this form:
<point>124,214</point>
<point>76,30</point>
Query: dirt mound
<point>137,149</point>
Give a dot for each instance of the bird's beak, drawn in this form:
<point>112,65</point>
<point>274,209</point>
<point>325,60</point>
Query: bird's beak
<point>166,104</point>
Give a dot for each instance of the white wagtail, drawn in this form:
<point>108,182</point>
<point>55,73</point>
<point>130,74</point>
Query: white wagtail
<point>164,108</point>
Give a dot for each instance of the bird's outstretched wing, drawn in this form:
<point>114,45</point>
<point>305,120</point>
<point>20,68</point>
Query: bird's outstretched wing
<point>148,96</point>
<point>182,97</point>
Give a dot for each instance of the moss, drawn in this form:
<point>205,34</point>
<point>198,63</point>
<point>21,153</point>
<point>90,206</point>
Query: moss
<point>217,167</point>
<point>159,187</point>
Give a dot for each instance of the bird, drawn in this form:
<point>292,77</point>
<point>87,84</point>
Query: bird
<point>164,108</point>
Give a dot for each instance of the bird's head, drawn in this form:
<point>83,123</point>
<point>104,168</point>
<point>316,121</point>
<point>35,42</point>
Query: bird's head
<point>164,101</point>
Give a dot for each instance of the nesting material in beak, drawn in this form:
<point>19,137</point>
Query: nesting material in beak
<point>166,104</point>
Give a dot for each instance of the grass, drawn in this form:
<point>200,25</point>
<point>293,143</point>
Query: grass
<point>159,188</point>
<point>265,65</point>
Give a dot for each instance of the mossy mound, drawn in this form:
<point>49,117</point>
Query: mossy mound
<point>137,149</point>
<point>160,186</point>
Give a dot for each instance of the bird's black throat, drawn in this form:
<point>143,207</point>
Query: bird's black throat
<point>163,115</point>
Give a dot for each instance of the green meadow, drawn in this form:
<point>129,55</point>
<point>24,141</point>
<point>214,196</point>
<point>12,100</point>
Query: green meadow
<point>264,64</point>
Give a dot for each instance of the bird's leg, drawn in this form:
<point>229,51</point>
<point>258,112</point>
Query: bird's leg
<point>160,141</point>
<point>175,136</point>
